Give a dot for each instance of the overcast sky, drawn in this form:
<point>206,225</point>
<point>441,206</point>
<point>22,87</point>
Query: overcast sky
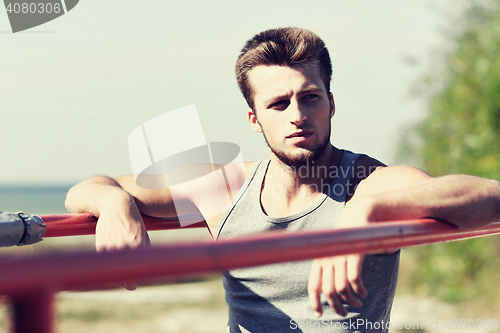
<point>73,89</point>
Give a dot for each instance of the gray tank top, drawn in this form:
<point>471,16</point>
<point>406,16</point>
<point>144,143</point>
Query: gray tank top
<point>273,298</point>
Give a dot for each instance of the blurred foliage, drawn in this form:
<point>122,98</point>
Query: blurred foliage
<point>461,134</point>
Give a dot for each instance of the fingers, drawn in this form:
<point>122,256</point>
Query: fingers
<point>342,283</point>
<point>147,241</point>
<point>108,240</point>
<point>330,290</point>
<point>339,278</point>
<point>129,285</point>
<point>314,288</point>
<point>116,232</point>
<point>354,267</point>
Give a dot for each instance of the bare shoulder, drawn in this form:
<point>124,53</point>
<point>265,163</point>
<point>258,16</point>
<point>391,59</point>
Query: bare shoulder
<point>390,178</point>
<point>239,169</point>
<point>234,175</point>
<point>248,167</point>
<point>365,166</point>
<point>225,180</point>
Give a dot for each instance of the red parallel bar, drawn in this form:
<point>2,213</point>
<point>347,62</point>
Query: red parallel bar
<point>87,270</point>
<point>33,313</point>
<point>61,225</point>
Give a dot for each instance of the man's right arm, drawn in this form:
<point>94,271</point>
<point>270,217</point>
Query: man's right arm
<point>119,202</point>
<point>119,219</point>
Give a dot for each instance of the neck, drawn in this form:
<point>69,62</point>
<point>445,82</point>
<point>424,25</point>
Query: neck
<point>309,179</point>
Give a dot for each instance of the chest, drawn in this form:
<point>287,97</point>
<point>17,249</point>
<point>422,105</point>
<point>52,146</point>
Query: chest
<point>275,205</point>
<point>247,218</point>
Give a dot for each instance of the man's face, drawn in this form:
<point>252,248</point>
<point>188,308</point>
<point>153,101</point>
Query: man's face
<point>293,111</point>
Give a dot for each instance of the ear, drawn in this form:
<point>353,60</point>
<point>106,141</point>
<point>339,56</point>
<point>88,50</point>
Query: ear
<point>254,123</point>
<point>332,105</point>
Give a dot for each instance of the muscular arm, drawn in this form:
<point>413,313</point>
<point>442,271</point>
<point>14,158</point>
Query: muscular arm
<point>402,192</point>
<point>399,193</point>
<point>119,203</point>
<point>120,224</point>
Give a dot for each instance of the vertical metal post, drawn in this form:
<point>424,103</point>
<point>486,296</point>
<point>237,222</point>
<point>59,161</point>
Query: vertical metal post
<point>33,312</point>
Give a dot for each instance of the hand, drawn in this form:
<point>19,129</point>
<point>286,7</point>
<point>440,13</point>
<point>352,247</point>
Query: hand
<point>339,277</point>
<point>118,229</point>
<point>120,226</point>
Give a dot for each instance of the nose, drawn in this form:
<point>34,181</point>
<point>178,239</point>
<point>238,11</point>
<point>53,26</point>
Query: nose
<point>297,114</point>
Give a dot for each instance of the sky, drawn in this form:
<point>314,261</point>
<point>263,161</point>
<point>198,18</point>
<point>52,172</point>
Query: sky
<point>73,89</point>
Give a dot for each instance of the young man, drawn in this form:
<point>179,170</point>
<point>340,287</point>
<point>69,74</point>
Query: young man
<point>284,74</point>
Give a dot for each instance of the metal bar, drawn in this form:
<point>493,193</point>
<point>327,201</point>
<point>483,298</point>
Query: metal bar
<point>44,275</point>
<point>86,270</point>
<point>33,312</point>
<point>61,225</point>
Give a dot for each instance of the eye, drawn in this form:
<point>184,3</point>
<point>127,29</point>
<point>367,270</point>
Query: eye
<point>310,97</point>
<point>280,105</point>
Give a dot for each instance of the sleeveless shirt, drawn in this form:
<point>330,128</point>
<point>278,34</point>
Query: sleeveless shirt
<point>273,298</point>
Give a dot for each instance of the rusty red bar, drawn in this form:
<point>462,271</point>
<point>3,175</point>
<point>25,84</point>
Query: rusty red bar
<point>61,225</point>
<point>32,281</point>
<point>33,313</point>
<point>92,270</point>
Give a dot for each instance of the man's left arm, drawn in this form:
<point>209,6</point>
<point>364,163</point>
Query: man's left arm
<point>403,192</point>
<point>399,193</point>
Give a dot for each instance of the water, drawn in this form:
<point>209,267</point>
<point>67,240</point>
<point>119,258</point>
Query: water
<point>34,199</point>
<point>49,199</point>
<point>40,200</point>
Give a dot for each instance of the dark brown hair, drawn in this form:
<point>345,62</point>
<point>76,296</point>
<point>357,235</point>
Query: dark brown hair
<point>281,47</point>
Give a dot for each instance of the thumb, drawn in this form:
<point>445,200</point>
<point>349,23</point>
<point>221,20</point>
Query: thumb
<point>314,288</point>
<point>354,267</point>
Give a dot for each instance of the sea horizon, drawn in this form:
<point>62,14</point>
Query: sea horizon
<point>34,198</point>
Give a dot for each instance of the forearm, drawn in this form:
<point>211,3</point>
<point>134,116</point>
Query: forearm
<point>120,193</point>
<point>465,201</point>
<point>120,224</point>
<point>96,193</point>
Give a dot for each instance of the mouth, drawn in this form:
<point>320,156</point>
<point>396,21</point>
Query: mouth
<point>300,134</point>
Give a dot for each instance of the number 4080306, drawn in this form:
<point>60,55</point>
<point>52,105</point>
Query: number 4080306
<point>33,8</point>
<point>471,324</point>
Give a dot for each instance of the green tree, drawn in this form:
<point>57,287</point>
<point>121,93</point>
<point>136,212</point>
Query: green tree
<point>462,135</point>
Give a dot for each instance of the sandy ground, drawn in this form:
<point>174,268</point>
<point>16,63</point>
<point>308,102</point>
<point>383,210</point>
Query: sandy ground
<point>199,306</point>
<point>432,315</point>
